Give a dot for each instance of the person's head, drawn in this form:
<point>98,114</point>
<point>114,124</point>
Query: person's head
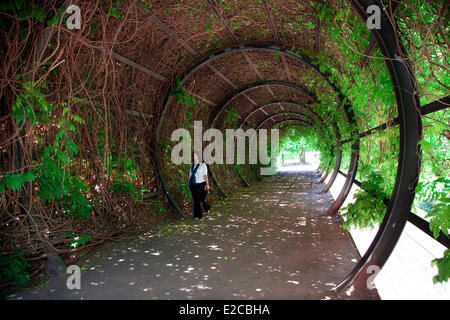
<point>195,157</point>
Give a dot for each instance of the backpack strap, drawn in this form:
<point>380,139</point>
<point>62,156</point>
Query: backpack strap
<point>192,181</point>
<point>194,171</point>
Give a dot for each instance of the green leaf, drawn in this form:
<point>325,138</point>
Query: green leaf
<point>443,265</point>
<point>115,13</point>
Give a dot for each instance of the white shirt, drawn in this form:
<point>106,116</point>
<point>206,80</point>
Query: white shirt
<point>202,171</point>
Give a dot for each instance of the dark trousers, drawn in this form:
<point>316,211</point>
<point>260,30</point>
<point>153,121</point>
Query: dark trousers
<point>199,194</point>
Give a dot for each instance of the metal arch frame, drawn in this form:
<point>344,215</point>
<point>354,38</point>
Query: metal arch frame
<point>274,103</point>
<point>324,174</point>
<point>242,91</point>
<point>337,166</point>
<point>260,84</point>
<point>281,121</point>
<point>280,114</point>
<point>270,117</point>
<point>354,159</point>
<point>264,47</point>
<point>409,159</point>
<point>286,120</point>
<point>277,123</point>
<point>337,163</point>
<point>256,85</point>
<point>353,168</point>
<point>290,113</point>
<point>408,168</point>
<point>315,117</point>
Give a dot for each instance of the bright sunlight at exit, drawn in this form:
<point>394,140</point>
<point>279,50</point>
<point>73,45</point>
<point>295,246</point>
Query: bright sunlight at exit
<point>298,151</point>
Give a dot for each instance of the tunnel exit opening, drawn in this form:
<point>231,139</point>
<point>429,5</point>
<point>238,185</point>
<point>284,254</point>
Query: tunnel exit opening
<point>297,152</point>
<point>293,162</point>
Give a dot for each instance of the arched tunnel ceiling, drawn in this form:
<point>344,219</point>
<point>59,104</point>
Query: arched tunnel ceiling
<point>169,36</point>
<point>242,72</point>
<point>246,67</point>
<point>271,62</point>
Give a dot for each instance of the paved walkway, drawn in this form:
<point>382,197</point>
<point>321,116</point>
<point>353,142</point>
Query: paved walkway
<point>269,241</point>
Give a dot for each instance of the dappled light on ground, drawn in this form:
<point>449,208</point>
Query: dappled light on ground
<point>269,241</point>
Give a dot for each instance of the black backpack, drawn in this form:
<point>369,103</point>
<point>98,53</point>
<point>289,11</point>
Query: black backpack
<point>192,181</point>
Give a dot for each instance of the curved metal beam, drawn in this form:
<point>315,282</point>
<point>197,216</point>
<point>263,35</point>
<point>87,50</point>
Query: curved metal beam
<point>335,172</point>
<point>299,57</point>
<point>353,167</point>
<point>345,104</point>
<point>260,84</point>
<point>324,177</point>
<point>276,115</point>
<point>256,109</point>
<point>273,103</point>
<point>292,113</point>
<point>221,107</point>
<point>316,117</point>
<point>287,120</point>
<point>408,168</point>
<point>277,123</point>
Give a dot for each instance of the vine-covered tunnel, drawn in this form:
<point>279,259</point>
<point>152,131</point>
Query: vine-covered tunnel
<point>94,92</point>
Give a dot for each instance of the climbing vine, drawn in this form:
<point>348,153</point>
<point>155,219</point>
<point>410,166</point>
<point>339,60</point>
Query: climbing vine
<point>77,134</point>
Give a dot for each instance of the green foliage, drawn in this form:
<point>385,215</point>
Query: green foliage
<point>12,5</point>
<point>115,13</point>
<point>122,165</point>
<point>374,185</point>
<point>181,94</point>
<point>31,105</point>
<point>296,137</point>
<point>184,187</point>
<point>76,201</point>
<point>364,212</point>
<point>184,98</point>
<point>14,181</point>
<point>158,206</point>
<point>55,183</point>
<point>368,209</point>
<point>52,175</point>
<point>277,55</point>
<point>435,193</point>
<point>123,186</point>
<point>124,170</point>
<point>292,143</point>
<point>14,268</point>
<point>78,241</point>
<point>231,119</point>
<point>443,265</point>
<point>55,20</point>
<point>25,9</point>
<point>145,5</point>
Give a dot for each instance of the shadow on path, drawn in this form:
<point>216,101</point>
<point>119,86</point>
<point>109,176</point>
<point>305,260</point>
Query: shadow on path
<point>269,241</point>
